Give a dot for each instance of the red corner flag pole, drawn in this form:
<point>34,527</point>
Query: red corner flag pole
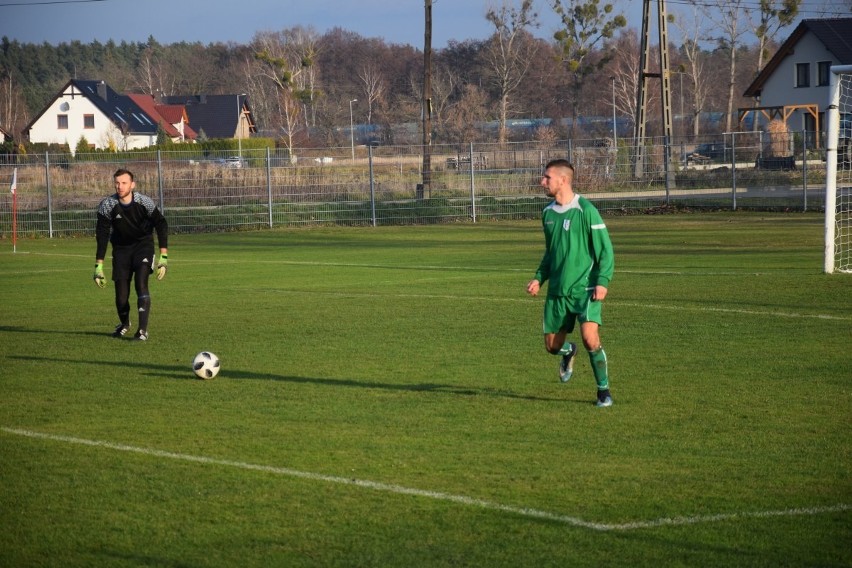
<point>14,190</point>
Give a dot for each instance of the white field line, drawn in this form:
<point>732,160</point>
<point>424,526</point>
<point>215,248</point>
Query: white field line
<point>524,270</point>
<point>529,300</point>
<point>420,266</point>
<point>459,499</point>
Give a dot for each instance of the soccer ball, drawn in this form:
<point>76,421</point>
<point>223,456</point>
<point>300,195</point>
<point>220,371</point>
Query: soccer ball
<point>205,365</point>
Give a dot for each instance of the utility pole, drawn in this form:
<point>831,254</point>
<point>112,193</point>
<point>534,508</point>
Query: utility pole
<point>665,88</point>
<point>427,106</point>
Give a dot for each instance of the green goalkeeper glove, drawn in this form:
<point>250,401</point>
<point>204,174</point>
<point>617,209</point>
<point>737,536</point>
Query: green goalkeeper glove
<point>162,266</point>
<point>99,278</point>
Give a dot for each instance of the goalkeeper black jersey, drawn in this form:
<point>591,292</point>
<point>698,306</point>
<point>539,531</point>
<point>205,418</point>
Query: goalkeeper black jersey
<point>125,225</point>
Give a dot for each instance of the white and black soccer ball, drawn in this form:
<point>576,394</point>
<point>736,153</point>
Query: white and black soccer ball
<point>205,365</point>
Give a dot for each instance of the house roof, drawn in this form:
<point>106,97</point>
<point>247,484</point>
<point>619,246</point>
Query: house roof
<point>167,115</point>
<point>834,33</point>
<point>172,113</point>
<point>120,109</point>
<point>216,115</point>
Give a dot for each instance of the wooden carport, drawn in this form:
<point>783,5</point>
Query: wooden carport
<point>782,112</point>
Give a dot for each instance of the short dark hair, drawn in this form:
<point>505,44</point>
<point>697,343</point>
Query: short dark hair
<point>121,172</point>
<point>560,163</point>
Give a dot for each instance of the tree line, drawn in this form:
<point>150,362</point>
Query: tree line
<point>301,84</point>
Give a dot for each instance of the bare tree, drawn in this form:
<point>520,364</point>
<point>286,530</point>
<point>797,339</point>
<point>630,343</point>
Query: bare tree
<point>509,52</point>
<point>283,68</point>
<point>772,16</point>
<point>625,69</point>
<point>153,76</point>
<point>13,110</point>
<point>726,17</point>
<point>586,24</point>
<point>691,34</point>
<point>375,86</point>
<point>302,47</point>
<point>466,113</point>
<point>446,85</point>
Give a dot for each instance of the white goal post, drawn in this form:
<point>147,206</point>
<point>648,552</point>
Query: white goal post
<point>838,172</point>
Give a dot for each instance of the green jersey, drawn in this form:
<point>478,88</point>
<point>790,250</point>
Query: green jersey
<point>578,252</point>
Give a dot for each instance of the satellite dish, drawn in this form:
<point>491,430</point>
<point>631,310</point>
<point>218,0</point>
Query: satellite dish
<point>64,106</point>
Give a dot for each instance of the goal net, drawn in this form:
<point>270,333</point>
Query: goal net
<point>838,172</point>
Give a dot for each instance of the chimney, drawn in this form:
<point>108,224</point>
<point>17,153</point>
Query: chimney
<point>102,92</point>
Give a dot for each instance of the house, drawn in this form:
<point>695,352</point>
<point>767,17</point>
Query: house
<point>793,86</point>
<point>218,116</point>
<point>91,109</point>
<point>173,118</point>
<point>4,136</point>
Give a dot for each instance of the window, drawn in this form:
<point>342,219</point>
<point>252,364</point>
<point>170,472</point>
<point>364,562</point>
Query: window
<point>62,121</point>
<point>88,121</point>
<point>803,74</point>
<point>823,69</point>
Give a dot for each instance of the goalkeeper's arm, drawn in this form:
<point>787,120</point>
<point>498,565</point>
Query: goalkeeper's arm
<point>163,264</point>
<point>98,277</point>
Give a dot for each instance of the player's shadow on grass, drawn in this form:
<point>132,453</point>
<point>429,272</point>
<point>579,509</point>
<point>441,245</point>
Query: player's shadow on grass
<point>181,372</point>
<point>21,329</point>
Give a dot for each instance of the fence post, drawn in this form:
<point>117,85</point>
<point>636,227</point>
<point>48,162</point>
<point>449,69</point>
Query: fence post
<point>49,199</point>
<point>269,186</point>
<point>472,186</point>
<point>160,179</point>
<point>804,171</point>
<point>734,170</point>
<point>372,184</point>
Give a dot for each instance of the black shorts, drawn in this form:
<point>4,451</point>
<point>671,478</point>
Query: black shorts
<point>137,258</point>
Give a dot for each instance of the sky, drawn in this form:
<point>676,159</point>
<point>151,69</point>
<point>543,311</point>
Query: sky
<point>237,21</point>
<point>209,21</point>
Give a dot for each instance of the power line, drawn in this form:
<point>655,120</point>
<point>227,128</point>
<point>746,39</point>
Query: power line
<point>44,2</point>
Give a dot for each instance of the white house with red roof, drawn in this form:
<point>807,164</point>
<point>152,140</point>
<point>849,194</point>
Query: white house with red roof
<point>92,110</point>
<point>173,118</point>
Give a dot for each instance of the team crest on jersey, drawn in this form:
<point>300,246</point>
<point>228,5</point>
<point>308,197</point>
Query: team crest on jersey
<point>566,224</point>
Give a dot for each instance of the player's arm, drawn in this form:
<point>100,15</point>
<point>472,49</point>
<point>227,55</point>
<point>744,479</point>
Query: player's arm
<point>603,254</point>
<point>102,231</point>
<point>161,226</point>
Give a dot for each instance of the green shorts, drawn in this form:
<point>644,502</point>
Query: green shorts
<point>562,312</point>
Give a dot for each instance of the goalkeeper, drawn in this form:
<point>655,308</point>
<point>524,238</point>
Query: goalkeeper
<point>128,220</point>
<point>578,262</point>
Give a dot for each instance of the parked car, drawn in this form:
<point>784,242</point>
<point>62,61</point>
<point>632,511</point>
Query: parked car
<point>708,152</point>
<point>235,162</point>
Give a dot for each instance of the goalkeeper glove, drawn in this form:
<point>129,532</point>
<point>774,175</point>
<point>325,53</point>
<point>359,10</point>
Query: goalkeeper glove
<point>99,278</point>
<point>162,266</point>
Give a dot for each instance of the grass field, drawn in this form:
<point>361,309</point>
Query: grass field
<point>385,400</point>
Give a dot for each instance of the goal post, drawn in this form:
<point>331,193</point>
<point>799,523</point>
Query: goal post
<point>838,172</point>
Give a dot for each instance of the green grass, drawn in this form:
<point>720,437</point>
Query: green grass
<point>410,357</point>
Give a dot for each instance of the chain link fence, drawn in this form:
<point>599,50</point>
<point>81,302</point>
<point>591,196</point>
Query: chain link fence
<point>388,185</point>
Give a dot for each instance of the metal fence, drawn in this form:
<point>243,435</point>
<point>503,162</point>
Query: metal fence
<point>58,194</point>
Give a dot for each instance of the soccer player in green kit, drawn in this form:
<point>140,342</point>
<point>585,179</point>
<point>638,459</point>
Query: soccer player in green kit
<point>578,262</point>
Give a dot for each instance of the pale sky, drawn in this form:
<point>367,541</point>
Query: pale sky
<point>208,21</point>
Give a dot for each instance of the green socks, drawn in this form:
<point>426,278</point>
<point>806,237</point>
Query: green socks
<point>598,361</point>
<point>567,348</point>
